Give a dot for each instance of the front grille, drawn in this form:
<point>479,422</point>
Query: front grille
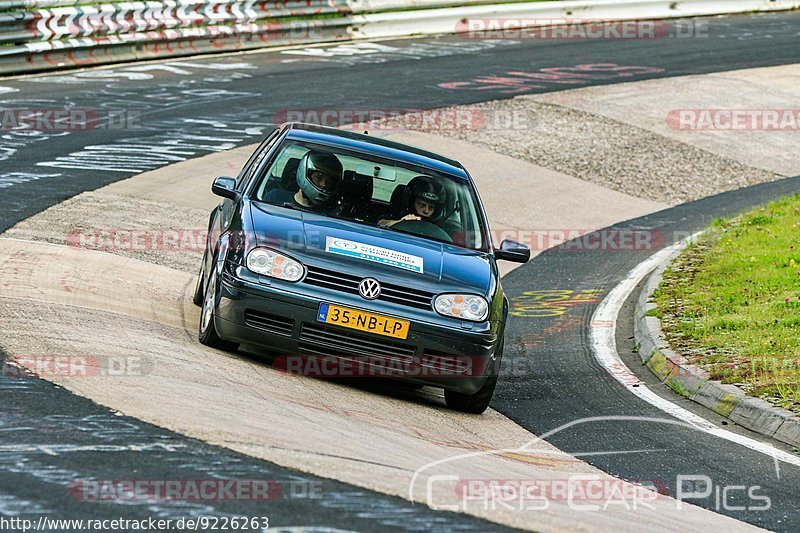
<point>447,362</point>
<point>348,283</point>
<point>272,323</point>
<point>321,340</point>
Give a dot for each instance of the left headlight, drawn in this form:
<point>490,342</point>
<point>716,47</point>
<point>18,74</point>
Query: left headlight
<point>464,306</point>
<point>270,263</point>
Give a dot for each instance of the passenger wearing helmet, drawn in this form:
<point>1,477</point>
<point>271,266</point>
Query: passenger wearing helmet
<point>423,197</point>
<point>319,178</point>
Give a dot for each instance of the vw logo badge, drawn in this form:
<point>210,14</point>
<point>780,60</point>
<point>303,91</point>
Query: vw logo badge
<point>369,288</point>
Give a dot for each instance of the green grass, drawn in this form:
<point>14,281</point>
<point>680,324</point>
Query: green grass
<point>731,302</point>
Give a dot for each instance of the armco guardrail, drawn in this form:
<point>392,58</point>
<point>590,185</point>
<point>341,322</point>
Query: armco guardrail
<point>38,35</point>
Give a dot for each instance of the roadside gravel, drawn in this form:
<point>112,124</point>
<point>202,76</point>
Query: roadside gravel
<point>601,150</point>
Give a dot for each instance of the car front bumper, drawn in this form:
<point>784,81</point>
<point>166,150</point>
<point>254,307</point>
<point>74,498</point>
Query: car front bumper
<point>268,315</point>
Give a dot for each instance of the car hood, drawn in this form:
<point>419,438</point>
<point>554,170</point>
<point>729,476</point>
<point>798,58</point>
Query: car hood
<point>368,250</point>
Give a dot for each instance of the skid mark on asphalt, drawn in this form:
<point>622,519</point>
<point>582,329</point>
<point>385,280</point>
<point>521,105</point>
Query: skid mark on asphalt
<point>551,302</point>
<point>516,82</point>
<point>376,53</point>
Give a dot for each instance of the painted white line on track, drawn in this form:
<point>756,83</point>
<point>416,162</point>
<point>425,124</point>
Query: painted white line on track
<point>602,335</point>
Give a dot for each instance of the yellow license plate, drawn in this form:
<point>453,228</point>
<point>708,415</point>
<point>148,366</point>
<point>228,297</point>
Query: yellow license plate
<point>353,319</point>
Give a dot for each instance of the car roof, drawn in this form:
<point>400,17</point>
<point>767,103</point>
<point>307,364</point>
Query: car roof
<point>375,146</point>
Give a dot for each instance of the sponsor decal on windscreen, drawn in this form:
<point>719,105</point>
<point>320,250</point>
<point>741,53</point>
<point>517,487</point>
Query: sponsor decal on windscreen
<point>373,253</point>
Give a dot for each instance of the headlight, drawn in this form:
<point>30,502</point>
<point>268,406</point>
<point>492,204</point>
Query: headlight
<point>463,306</point>
<point>275,265</point>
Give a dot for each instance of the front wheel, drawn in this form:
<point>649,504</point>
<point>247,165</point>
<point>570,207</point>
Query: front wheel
<point>478,402</point>
<point>472,403</point>
<point>199,294</point>
<point>208,331</point>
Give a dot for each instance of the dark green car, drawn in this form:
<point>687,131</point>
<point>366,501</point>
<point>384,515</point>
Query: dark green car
<point>348,255</point>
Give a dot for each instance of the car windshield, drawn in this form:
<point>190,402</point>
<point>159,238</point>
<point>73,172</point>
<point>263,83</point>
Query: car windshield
<point>390,194</point>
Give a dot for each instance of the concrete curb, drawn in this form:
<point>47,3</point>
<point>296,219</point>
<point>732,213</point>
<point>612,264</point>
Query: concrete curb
<point>694,383</point>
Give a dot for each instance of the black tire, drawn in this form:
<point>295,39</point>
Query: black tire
<point>207,333</point>
<point>478,402</point>
<point>474,404</point>
<point>197,299</point>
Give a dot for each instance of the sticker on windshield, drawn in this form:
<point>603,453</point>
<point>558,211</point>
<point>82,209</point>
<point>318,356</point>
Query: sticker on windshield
<point>373,253</point>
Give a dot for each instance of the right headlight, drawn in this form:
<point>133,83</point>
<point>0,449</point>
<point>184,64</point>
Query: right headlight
<point>275,265</point>
<point>464,306</point>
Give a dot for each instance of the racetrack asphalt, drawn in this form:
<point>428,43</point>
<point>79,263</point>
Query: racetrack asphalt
<point>562,383</point>
<point>566,383</point>
<point>232,100</point>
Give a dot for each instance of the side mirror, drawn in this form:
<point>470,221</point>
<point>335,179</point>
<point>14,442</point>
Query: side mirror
<point>513,251</point>
<point>225,187</point>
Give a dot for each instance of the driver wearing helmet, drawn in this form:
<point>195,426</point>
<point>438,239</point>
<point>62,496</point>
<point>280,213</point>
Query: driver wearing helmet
<point>422,202</point>
<point>319,178</point>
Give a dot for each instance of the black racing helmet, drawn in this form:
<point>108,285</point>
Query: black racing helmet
<point>325,163</point>
<point>425,188</point>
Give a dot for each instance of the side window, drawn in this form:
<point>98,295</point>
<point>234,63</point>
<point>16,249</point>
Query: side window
<point>469,220</point>
<point>281,174</point>
<point>255,160</point>
<point>291,152</point>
